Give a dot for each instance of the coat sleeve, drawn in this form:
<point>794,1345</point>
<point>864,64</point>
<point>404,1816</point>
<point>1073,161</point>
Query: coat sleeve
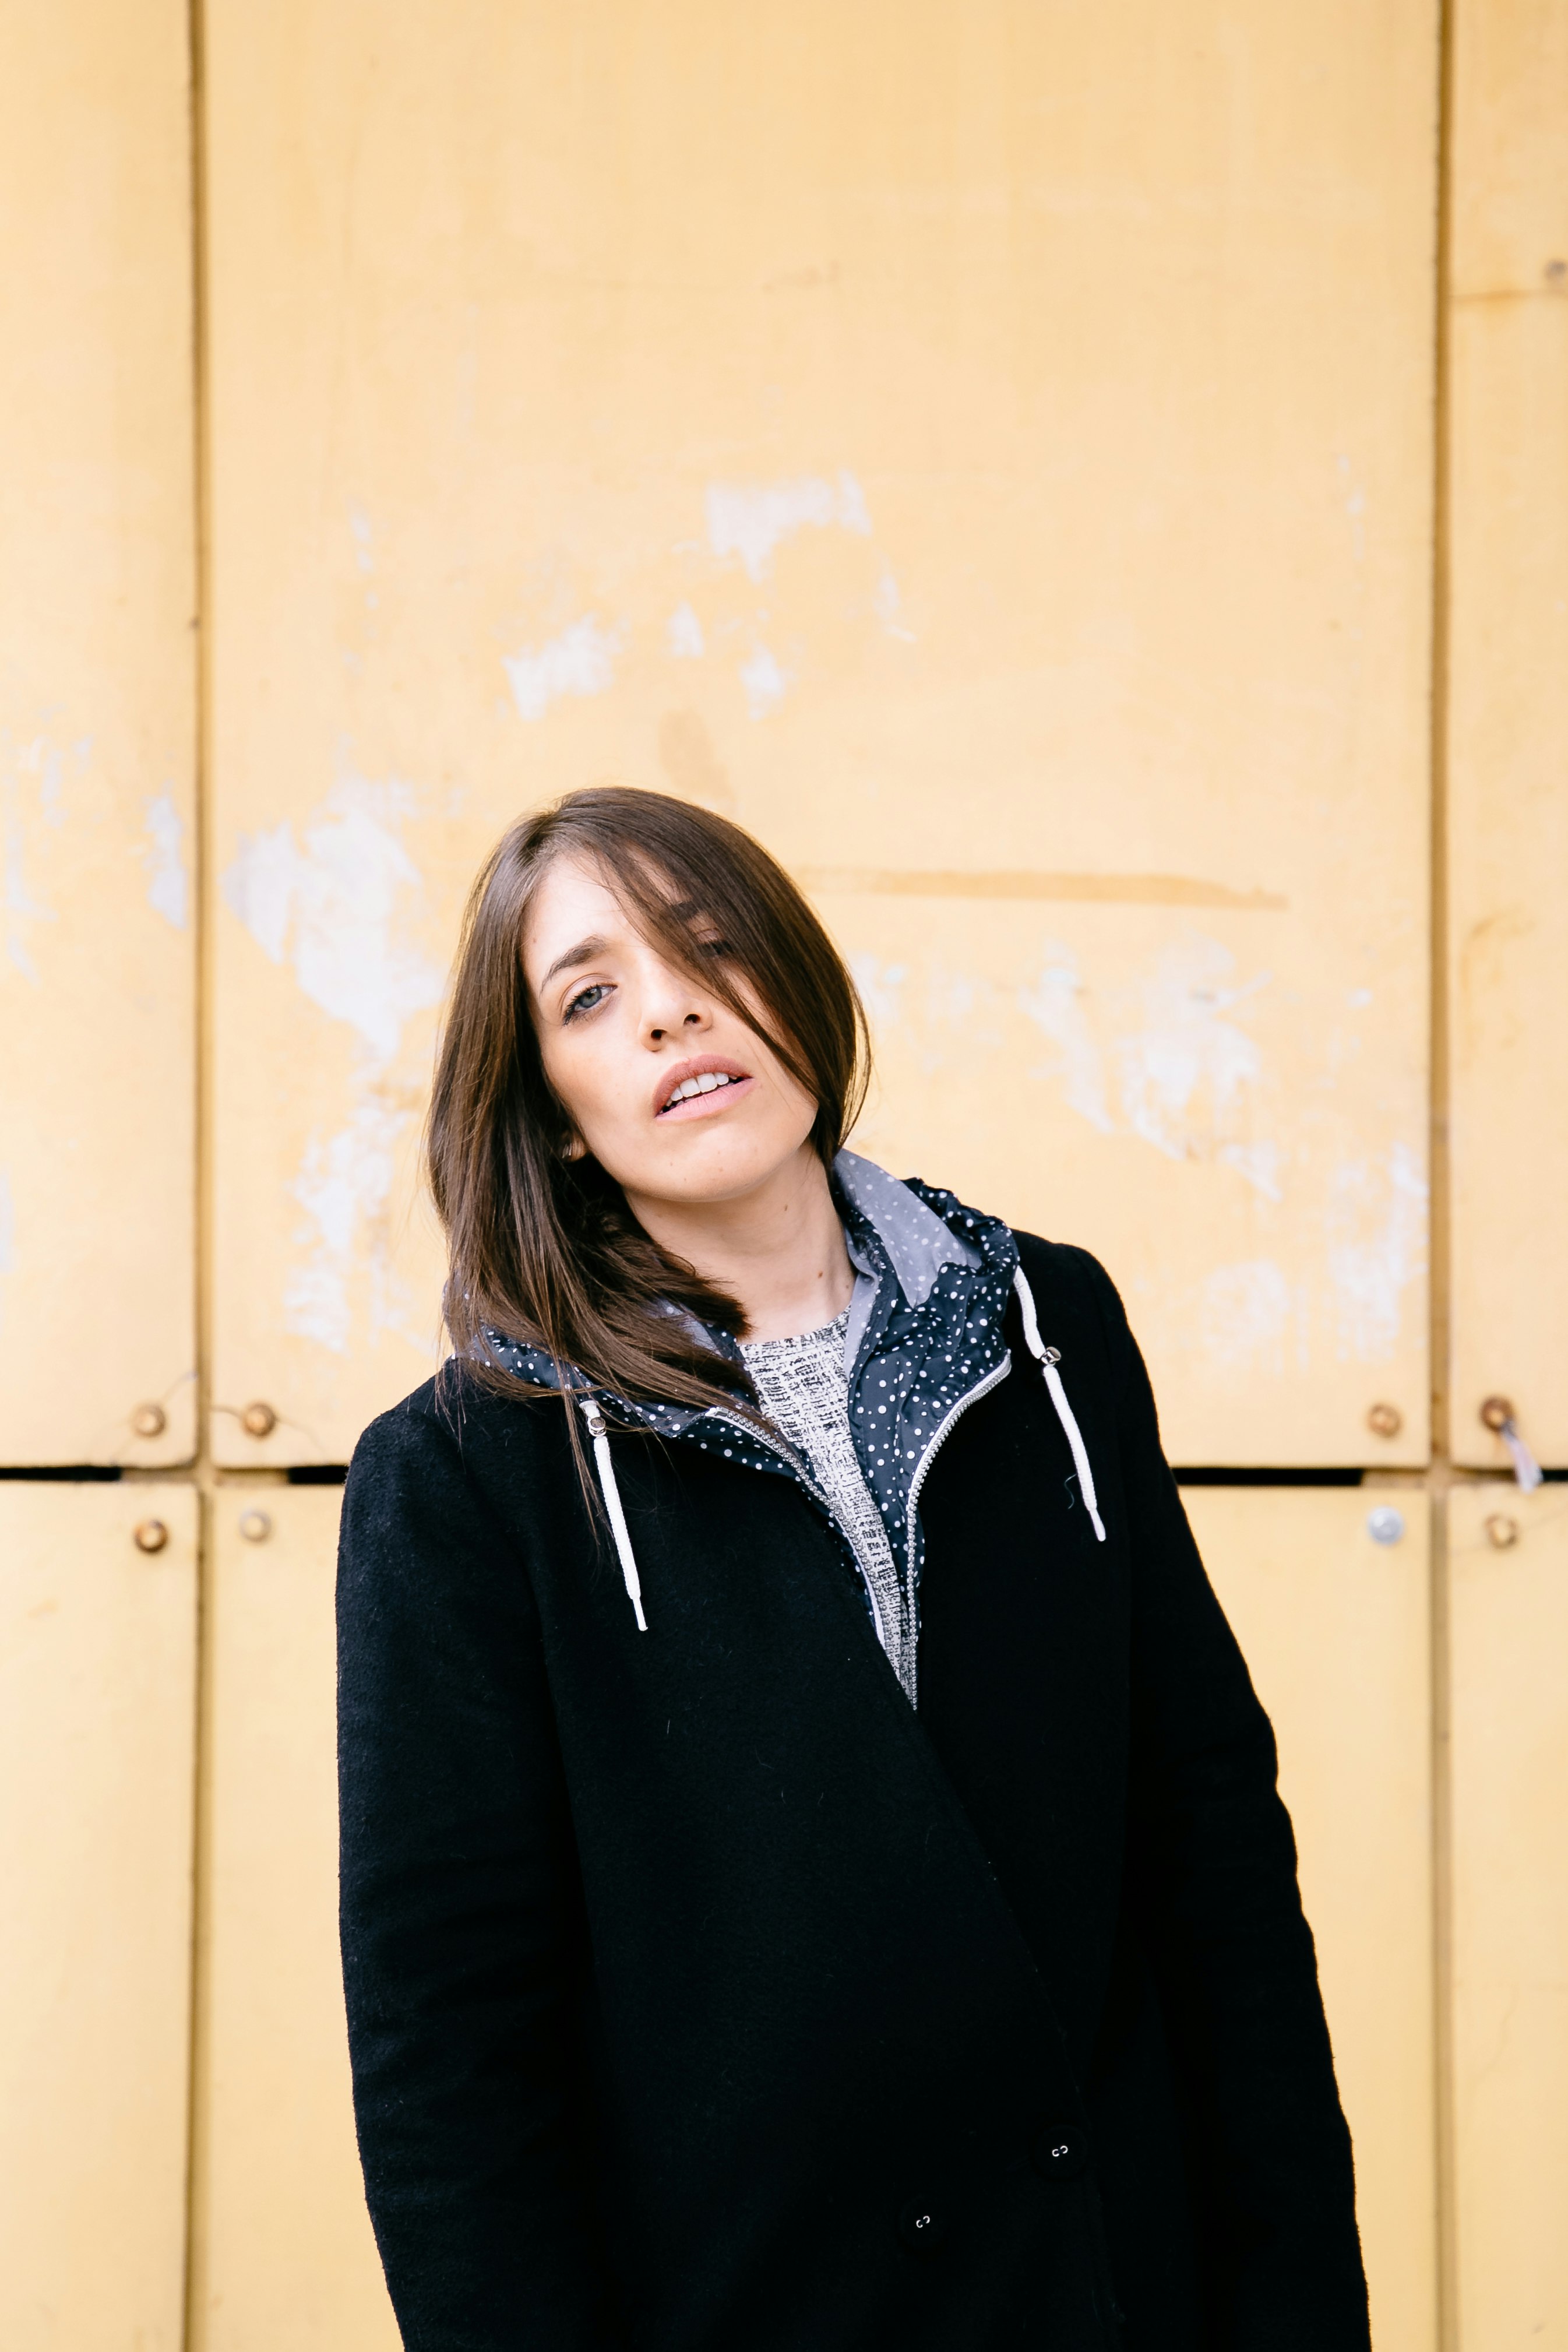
<point>461,1936</point>
<point>1214,1856</point>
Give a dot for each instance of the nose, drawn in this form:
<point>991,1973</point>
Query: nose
<point>672,1006</point>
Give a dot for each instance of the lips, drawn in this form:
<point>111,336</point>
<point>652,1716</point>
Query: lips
<point>703,1083</point>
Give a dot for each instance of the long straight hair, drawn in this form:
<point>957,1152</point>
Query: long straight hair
<point>544,1249</point>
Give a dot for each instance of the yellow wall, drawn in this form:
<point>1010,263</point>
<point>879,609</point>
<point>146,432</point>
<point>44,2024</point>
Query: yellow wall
<point>1047,472</point>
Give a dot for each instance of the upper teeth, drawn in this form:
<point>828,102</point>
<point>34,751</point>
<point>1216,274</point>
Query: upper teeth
<point>703,1086</point>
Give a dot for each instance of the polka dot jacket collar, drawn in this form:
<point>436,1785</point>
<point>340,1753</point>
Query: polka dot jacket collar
<point>924,1339</point>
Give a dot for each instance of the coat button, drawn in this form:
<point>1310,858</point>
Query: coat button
<point>1061,2151</point>
<point>921,2226</point>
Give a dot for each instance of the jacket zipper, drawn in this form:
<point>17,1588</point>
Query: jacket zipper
<point>982,1388</point>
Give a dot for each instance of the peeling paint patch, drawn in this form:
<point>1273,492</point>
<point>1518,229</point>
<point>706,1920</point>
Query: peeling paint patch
<point>751,518</point>
<point>163,853</point>
<point>683,634</point>
<point>1376,1224</point>
<point>332,911</point>
<point>1055,1003</point>
<point>580,661</point>
<point>765,684</point>
<point>879,986</point>
<point>1186,1047</point>
<point>344,1185</point>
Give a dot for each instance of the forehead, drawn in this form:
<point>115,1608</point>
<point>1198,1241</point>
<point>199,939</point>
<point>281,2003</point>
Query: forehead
<point>573,903</point>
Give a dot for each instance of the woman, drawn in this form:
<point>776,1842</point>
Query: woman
<point>812,1873</point>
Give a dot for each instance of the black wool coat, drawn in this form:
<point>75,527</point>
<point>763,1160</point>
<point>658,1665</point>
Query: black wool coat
<point>704,1998</point>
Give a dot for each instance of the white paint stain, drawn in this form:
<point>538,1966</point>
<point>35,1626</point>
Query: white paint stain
<point>7,1223</point>
<point>1186,1048</point>
<point>1245,1313</point>
<point>683,634</point>
<point>163,853</point>
<point>364,539</point>
<point>1055,1003</point>
<point>338,910</point>
<point>765,684</point>
<point>344,1185</point>
<point>580,661</point>
<point>333,911</point>
<point>1258,1163</point>
<point>751,518</point>
<point>1376,1224</point>
<point>889,607</point>
<point>879,986</point>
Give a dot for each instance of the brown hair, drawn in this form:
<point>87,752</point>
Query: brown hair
<point>544,1249</point>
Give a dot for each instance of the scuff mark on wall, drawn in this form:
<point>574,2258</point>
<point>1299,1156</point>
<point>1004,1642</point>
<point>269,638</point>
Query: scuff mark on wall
<point>337,911</point>
<point>1376,1229</point>
<point>751,518</point>
<point>163,853</point>
<point>580,661</point>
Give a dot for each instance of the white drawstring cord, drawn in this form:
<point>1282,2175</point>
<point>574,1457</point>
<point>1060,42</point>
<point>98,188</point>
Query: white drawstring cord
<point>1049,1361</point>
<point>611,1493</point>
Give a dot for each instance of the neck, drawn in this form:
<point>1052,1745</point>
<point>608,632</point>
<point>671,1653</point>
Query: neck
<point>778,1249</point>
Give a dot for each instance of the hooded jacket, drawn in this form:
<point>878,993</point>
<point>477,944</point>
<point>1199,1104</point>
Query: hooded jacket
<point>702,1996</point>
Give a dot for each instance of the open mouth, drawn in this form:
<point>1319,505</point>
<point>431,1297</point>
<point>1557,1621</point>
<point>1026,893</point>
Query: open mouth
<point>707,1082</point>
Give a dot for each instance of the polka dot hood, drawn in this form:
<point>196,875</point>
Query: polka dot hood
<point>924,1339</point>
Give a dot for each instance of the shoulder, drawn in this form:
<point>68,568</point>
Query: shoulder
<point>1075,1300</point>
<point>448,1444</point>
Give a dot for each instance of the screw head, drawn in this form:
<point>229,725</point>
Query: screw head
<point>258,1420</point>
<point>151,1536</point>
<point>1384,1419</point>
<point>254,1526</point>
<point>1496,1412</point>
<point>149,1421</point>
<point>1386,1524</point>
<point>1501,1532</point>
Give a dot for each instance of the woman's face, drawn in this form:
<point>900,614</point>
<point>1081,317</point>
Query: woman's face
<point>671,1092</point>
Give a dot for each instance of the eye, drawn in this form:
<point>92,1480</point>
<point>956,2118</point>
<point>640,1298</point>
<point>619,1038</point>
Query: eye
<point>586,999</point>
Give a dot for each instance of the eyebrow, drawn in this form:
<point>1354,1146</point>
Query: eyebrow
<point>583,952</point>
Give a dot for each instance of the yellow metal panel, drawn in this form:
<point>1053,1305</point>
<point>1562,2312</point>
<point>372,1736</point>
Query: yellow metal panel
<point>97,725</point>
<point>1509,721</point>
<point>98,1722</point>
<point>1334,1628</point>
<point>283,2253</point>
<point>1509,1766</point>
<point>984,446</point>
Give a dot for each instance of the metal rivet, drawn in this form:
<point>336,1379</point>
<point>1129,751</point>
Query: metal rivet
<point>258,1420</point>
<point>1502,1532</point>
<point>254,1526</point>
<point>151,1536</point>
<point>1497,1412</point>
<point>1386,1524</point>
<point>1384,1419</point>
<point>149,1421</point>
